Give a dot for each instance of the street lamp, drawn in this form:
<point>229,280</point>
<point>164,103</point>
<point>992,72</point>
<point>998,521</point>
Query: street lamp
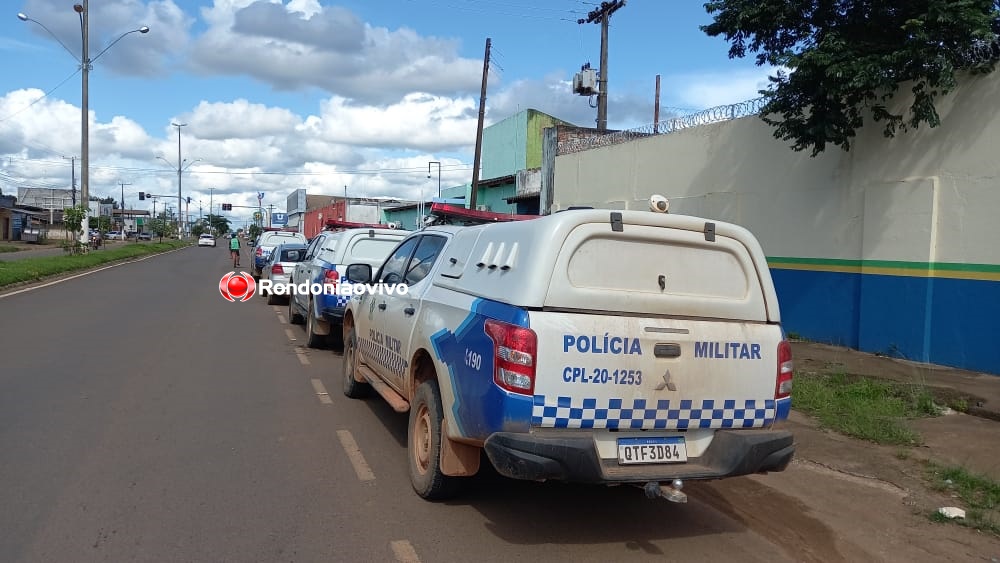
<point>86,64</point>
<point>180,169</point>
<point>439,174</point>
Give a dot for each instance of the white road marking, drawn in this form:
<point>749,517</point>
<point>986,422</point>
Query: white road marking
<point>303,358</point>
<point>290,334</point>
<point>282,319</point>
<point>404,552</point>
<point>87,273</point>
<point>354,454</point>
<point>324,397</point>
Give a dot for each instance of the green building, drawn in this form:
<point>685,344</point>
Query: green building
<point>510,177</point>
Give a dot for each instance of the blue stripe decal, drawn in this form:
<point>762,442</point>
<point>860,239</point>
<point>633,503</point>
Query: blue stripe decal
<point>480,407</point>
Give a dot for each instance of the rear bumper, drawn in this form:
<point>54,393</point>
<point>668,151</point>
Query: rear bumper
<point>575,459</point>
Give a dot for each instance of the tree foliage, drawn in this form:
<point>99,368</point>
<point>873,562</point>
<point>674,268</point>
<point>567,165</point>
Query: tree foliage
<point>254,231</point>
<point>844,60</point>
<point>218,223</point>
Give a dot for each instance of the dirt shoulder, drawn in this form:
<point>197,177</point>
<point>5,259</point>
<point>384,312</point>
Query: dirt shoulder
<point>845,499</point>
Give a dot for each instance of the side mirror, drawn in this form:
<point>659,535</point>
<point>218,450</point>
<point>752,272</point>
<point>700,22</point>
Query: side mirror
<point>359,273</point>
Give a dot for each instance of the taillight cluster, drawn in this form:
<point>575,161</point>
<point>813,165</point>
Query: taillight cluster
<point>260,251</point>
<point>277,269</point>
<point>783,388</point>
<point>514,356</point>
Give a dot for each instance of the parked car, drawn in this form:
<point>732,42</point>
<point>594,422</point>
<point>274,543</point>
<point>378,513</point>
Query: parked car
<point>206,240</point>
<point>266,243</point>
<point>326,263</point>
<point>595,346</point>
<point>279,266</point>
<point>145,236</point>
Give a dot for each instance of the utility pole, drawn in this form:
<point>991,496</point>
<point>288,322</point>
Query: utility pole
<point>123,207</point>
<point>479,130</point>
<point>602,15</point>
<point>270,211</point>
<point>72,176</point>
<point>656,108</point>
<point>180,170</point>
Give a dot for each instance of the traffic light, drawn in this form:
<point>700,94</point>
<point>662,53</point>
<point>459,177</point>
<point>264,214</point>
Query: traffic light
<point>189,199</point>
<point>142,196</point>
<point>227,207</point>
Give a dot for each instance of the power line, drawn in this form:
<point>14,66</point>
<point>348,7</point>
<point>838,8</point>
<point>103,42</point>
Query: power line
<point>43,96</point>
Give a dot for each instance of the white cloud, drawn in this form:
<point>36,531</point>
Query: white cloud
<point>706,90</point>
<point>330,49</point>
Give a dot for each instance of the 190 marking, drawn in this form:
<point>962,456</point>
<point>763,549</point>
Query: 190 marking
<point>602,376</point>
<point>473,360</point>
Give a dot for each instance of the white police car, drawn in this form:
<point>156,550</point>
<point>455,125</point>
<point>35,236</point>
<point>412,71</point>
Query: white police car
<point>594,346</point>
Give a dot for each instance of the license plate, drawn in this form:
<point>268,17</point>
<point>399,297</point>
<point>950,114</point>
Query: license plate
<point>670,449</point>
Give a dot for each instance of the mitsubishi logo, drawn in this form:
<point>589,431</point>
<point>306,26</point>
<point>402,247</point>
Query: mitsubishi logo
<point>666,382</point>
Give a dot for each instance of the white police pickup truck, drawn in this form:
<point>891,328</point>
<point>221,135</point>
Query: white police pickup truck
<point>593,346</point>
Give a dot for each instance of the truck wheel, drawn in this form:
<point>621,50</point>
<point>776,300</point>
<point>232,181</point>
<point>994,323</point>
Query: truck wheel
<point>313,340</point>
<point>293,316</point>
<point>425,435</point>
<point>352,387</point>
<point>272,299</point>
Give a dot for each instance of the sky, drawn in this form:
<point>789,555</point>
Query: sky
<point>332,96</point>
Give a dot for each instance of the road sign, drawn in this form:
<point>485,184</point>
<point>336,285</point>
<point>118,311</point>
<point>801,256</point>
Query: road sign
<point>279,219</point>
<point>257,216</point>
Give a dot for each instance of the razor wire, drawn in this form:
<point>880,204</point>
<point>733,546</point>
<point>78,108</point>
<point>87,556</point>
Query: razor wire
<point>979,54</point>
<point>708,116</point>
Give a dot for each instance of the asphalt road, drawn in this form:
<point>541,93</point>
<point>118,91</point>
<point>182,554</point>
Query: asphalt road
<point>145,418</point>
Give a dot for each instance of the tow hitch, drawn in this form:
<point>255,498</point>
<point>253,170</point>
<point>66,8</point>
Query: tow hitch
<point>672,492</point>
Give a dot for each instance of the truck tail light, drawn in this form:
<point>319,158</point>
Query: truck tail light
<point>515,351</point>
<point>783,388</point>
<point>277,269</point>
<point>260,252</point>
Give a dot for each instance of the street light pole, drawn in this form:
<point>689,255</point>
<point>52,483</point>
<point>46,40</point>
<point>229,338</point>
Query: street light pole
<point>85,116</point>
<point>439,174</point>
<point>85,67</point>
<point>180,225</point>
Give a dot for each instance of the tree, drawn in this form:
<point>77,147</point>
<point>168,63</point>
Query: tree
<point>845,60</point>
<point>254,231</point>
<point>198,229</point>
<point>218,223</point>
<point>161,226</point>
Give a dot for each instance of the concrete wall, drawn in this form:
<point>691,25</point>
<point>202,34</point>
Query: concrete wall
<point>887,248</point>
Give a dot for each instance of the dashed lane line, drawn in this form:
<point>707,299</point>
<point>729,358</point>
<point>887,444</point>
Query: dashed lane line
<point>324,397</point>
<point>290,334</point>
<point>404,551</point>
<point>303,358</point>
<point>282,319</point>
<point>354,455</point>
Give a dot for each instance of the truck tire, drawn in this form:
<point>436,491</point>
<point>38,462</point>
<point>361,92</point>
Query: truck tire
<point>352,387</point>
<point>293,316</point>
<point>313,340</point>
<point>424,445</point>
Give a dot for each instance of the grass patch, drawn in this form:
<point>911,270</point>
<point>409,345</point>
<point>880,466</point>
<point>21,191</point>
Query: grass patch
<point>34,269</point>
<point>862,407</point>
<point>9,248</point>
<point>980,494</point>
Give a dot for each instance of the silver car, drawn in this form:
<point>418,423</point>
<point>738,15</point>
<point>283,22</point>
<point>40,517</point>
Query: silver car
<point>279,266</point>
